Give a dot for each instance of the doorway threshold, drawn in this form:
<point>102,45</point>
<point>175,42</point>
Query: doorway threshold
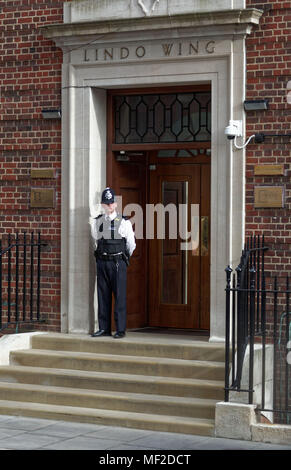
<point>173,331</point>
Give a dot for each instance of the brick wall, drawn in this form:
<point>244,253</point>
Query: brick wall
<point>268,71</point>
<point>30,76</point>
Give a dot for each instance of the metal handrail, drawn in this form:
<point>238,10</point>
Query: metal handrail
<point>248,302</point>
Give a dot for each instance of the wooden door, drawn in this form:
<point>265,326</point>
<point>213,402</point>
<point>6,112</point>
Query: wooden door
<point>179,262</point>
<point>130,182</point>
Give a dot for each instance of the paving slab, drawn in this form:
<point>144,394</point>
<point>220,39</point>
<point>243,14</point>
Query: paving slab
<point>82,443</point>
<point>20,433</point>
<point>27,441</point>
<point>121,434</point>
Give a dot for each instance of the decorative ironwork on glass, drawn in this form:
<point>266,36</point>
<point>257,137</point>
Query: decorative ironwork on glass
<point>163,118</point>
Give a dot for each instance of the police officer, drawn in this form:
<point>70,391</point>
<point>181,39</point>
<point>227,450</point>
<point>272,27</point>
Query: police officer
<point>115,242</point>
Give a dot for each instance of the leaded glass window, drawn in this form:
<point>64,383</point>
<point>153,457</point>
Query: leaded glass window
<point>163,118</point>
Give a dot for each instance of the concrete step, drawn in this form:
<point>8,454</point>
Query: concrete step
<point>156,382</point>
<point>119,401</point>
<point>196,426</point>
<point>174,386</point>
<point>165,367</point>
<point>133,344</point>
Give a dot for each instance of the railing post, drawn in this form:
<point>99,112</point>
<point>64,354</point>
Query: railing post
<point>240,326</point>
<point>286,345</point>
<point>263,326</point>
<point>233,335</point>
<point>31,274</point>
<point>252,333</point>
<point>9,278</point>
<point>16,276</point>
<point>275,333</point>
<point>38,278</point>
<point>258,283</point>
<point>228,271</point>
<point>24,279</point>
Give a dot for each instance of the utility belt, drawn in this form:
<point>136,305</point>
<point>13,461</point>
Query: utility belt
<point>112,257</point>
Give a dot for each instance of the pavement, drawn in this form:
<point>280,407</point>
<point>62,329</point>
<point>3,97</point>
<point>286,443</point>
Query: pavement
<point>21,433</point>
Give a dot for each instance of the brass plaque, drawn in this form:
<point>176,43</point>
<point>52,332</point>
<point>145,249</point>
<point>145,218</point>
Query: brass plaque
<point>269,196</point>
<point>42,173</point>
<point>269,170</point>
<point>42,197</point>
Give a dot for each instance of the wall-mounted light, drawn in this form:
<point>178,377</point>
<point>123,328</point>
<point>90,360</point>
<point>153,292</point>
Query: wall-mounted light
<point>51,113</point>
<point>256,105</point>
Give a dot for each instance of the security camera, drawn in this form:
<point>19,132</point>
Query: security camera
<point>234,129</point>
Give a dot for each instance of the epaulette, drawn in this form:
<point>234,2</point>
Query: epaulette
<point>98,217</point>
<point>120,216</point>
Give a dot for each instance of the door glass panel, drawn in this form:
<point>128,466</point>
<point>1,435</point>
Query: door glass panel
<point>174,260</point>
<point>162,118</point>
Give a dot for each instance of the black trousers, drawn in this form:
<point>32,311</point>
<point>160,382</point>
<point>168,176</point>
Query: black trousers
<point>111,279</point>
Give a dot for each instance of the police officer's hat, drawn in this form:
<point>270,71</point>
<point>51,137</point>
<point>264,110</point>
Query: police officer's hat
<point>108,196</point>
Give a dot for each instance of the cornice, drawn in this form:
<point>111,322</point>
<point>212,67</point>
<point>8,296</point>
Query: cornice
<point>241,20</point>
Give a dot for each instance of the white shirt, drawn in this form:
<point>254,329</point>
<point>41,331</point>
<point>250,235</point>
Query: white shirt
<point>125,230</point>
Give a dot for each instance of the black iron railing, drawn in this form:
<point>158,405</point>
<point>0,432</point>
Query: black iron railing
<point>258,315</point>
<point>20,275</point>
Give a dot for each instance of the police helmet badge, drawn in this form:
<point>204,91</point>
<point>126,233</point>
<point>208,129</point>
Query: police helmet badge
<point>107,196</point>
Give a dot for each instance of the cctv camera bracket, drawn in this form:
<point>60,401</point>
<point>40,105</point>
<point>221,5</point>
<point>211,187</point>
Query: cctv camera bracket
<point>234,129</point>
<point>239,127</point>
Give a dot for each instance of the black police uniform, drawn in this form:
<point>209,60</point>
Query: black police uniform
<point>112,259</point>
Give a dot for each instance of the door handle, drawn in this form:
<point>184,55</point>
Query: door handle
<point>204,235</point>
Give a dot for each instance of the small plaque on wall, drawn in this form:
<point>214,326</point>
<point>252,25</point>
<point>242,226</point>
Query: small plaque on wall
<point>269,170</point>
<point>269,196</point>
<point>39,173</point>
<point>42,197</point>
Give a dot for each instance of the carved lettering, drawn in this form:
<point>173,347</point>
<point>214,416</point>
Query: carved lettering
<point>124,52</point>
<point>167,49</point>
<point>140,52</point>
<point>108,53</point>
<point>210,47</point>
<point>86,59</point>
<point>170,49</point>
<point>193,48</point>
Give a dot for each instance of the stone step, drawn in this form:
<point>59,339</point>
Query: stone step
<point>174,386</point>
<point>185,425</point>
<point>152,382</point>
<point>165,367</point>
<point>119,401</point>
<point>134,344</point>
